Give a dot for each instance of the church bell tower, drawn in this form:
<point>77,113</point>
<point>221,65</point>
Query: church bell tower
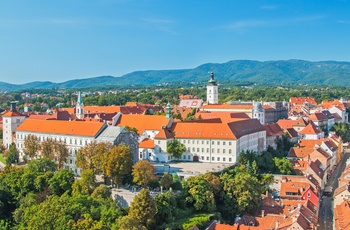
<point>212,90</point>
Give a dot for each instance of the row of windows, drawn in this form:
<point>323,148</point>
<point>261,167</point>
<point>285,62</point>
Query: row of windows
<point>217,159</point>
<point>205,142</point>
<point>206,150</point>
<point>71,140</point>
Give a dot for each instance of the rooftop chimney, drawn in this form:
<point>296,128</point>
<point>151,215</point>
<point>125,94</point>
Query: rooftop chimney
<point>277,224</point>
<point>262,213</point>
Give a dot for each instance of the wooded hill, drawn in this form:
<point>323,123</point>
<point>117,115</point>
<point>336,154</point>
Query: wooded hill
<point>280,72</point>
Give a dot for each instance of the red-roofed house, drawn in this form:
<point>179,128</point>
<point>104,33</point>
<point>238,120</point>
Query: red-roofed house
<point>341,216</point>
<point>341,193</point>
<point>75,134</point>
<point>311,132</point>
<point>219,142</point>
<point>273,132</point>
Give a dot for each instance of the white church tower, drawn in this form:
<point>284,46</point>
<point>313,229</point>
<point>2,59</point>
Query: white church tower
<point>212,90</point>
<point>11,120</point>
<point>258,112</point>
<point>79,108</point>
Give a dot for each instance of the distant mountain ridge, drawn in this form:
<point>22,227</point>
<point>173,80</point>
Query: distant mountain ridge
<point>289,71</point>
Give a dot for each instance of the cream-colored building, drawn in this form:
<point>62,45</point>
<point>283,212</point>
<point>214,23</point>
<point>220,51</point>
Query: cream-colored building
<point>75,134</point>
<point>11,120</point>
<point>215,142</point>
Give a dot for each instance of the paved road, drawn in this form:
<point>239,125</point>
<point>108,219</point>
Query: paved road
<point>326,208</point>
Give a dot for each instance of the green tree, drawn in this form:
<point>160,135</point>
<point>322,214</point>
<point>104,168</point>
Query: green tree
<point>92,155</point>
<point>61,181</point>
<point>284,166</point>
<point>200,194</point>
<point>166,181</point>
<point>48,148</point>
<point>175,148</point>
<point>117,163</point>
<point>7,204</point>
<point>41,165</point>
<point>246,190</point>
<point>166,207</point>
<point>214,183</point>
<point>12,154</point>
<point>129,223</point>
<point>87,183</point>
<point>343,130</point>
<point>143,208</point>
<point>61,153</point>
<point>143,173</point>
<point>31,146</point>
<point>101,192</point>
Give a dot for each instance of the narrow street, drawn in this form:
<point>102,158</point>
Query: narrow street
<point>326,206</point>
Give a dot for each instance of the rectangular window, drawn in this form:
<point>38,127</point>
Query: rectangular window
<point>158,142</point>
<point>184,157</point>
<point>218,150</point>
<point>229,159</point>
<point>223,159</point>
<point>188,149</point>
<point>140,156</point>
<point>213,142</point>
<point>189,157</point>
<point>223,142</point>
<point>212,158</point>
<point>229,143</point>
<point>207,142</point>
<point>202,157</point>
<point>202,142</point>
<point>197,150</point>
<point>193,149</point>
<point>207,150</point>
<point>218,142</point>
<point>207,158</point>
<point>212,150</point>
<point>192,141</point>
<point>218,158</point>
<point>224,151</point>
<point>229,151</point>
<point>150,154</point>
<point>202,150</point>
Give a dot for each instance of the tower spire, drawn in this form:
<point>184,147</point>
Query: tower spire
<point>80,99</point>
<point>168,110</point>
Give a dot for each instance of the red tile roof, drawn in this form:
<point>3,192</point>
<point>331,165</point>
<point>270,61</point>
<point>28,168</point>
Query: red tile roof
<point>273,130</point>
<point>146,143</point>
<point>341,216</point>
<point>301,100</point>
<point>217,226</point>
<point>76,128</point>
<point>299,152</point>
<point>165,134</point>
<point>233,130</point>
<point>293,187</point>
<point>310,129</point>
<point>10,113</point>
<point>143,122</point>
<point>224,116</point>
<point>310,143</point>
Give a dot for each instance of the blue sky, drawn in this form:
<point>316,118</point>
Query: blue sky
<point>71,39</point>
